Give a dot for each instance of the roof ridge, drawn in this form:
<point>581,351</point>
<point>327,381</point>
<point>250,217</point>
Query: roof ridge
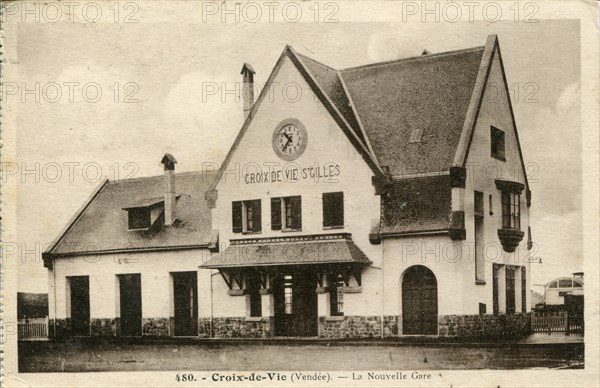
<point>394,61</point>
<point>139,178</point>
<point>315,61</point>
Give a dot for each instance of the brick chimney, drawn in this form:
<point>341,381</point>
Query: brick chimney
<point>248,88</point>
<point>170,197</point>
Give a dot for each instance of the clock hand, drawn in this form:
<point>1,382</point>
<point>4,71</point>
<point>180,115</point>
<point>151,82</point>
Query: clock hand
<point>285,146</point>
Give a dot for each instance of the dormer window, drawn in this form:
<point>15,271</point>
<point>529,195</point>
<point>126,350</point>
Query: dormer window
<point>139,218</point>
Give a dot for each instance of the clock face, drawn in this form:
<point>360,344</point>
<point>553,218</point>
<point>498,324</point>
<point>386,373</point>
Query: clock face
<point>289,139</point>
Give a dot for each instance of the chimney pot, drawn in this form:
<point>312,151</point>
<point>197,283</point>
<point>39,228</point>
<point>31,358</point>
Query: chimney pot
<point>248,87</point>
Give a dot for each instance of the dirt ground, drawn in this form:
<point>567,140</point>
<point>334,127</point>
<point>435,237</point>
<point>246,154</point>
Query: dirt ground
<point>201,356</point>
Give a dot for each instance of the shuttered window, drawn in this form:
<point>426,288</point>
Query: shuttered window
<point>286,213</point>
<point>333,209</point>
<point>246,216</point>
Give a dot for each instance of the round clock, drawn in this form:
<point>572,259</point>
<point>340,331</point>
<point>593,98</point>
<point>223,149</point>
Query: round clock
<point>289,139</point>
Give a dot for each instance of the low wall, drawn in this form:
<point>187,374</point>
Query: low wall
<point>350,327</point>
<point>235,327</point>
<point>484,326</point>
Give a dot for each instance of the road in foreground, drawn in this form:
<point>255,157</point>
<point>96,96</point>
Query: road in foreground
<point>202,356</point>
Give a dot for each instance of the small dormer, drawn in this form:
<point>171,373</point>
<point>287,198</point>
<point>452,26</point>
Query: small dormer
<point>144,214</point>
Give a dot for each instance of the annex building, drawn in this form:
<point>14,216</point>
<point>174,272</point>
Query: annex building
<point>389,200</point>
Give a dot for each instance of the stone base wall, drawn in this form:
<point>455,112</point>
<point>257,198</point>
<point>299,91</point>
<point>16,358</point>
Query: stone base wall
<point>204,330</point>
<point>155,327</point>
<point>350,327</point>
<point>392,326</point>
<point>103,327</point>
<point>484,326</point>
<point>237,327</point>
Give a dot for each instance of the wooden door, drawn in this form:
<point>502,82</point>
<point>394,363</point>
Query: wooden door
<point>130,290</point>
<point>80,305</point>
<point>295,304</point>
<point>185,292</point>
<point>419,301</point>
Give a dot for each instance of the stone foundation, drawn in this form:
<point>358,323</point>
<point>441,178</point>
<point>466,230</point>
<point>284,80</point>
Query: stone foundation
<point>392,326</point>
<point>350,327</point>
<point>237,327</point>
<point>204,330</point>
<point>155,327</point>
<point>103,327</point>
<point>484,326</point>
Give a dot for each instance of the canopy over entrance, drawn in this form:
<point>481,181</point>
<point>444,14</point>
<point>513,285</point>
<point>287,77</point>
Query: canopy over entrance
<point>300,250</point>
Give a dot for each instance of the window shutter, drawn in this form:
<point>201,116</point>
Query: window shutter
<point>338,215</point>
<point>236,216</point>
<point>327,221</point>
<point>256,217</point>
<point>276,213</point>
<point>296,212</point>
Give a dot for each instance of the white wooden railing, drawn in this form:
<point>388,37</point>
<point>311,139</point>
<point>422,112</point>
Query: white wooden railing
<point>33,329</point>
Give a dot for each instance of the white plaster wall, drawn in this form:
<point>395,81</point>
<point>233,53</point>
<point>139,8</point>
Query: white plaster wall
<point>154,267</point>
<point>326,144</point>
<point>438,253</point>
<point>482,171</point>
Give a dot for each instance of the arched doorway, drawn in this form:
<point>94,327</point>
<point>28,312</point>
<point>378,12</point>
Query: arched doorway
<point>419,301</point>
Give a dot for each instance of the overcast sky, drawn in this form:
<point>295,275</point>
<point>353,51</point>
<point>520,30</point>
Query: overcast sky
<point>167,64</point>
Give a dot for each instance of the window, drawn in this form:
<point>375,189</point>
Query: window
<point>491,205</point>
<point>523,289</point>
<point>246,216</point>
<point>286,213</point>
<point>553,285</point>
<point>479,251</point>
<point>333,210</point>
<point>511,210</point>
<point>577,284</point>
<point>336,295</point>
<point>482,308</point>
<point>478,204</point>
<point>510,290</point>
<point>287,294</point>
<point>495,291</point>
<point>565,283</point>
<point>497,141</point>
<point>139,218</point>
<point>253,289</point>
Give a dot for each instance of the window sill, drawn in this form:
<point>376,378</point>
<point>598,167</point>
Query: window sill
<point>333,227</point>
<point>254,319</point>
<point>480,282</point>
<point>287,230</point>
<point>334,318</point>
<point>246,233</point>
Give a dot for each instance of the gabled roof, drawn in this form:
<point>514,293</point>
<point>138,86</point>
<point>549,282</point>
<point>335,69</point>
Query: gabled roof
<point>406,117</point>
<point>101,226</point>
<point>429,93</point>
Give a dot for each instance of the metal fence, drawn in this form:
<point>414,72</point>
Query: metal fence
<point>557,321</point>
<point>33,329</point>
